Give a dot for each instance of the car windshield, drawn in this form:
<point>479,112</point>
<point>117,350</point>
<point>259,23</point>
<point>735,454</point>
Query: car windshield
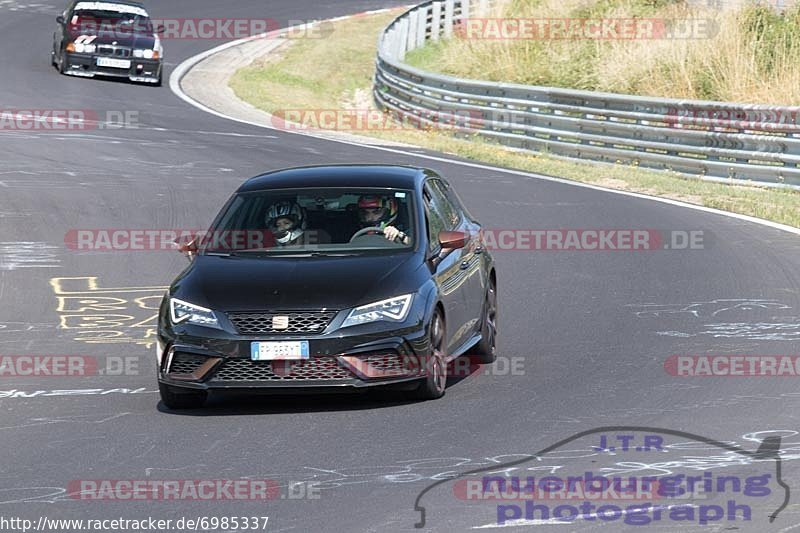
<point>116,24</point>
<point>314,222</point>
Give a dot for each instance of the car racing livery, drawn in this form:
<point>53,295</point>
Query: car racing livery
<point>115,38</point>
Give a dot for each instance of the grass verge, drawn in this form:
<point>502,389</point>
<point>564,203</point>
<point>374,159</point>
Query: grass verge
<point>683,50</point>
<point>335,73</point>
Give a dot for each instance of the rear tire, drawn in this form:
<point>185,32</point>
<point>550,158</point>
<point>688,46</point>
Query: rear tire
<point>176,398</point>
<point>435,365</point>
<point>485,351</point>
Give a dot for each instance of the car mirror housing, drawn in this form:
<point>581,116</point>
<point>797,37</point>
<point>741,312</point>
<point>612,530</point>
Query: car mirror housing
<point>60,19</point>
<point>453,240</point>
<point>187,246</point>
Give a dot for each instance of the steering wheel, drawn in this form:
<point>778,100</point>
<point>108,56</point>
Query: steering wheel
<point>364,231</point>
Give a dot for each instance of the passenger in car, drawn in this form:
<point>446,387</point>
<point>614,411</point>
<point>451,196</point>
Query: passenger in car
<point>287,222</point>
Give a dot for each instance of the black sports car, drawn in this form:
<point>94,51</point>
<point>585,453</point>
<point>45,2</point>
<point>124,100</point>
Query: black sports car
<point>329,278</point>
<point>112,38</point>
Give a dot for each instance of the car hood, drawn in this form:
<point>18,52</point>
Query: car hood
<point>240,283</point>
<point>121,39</point>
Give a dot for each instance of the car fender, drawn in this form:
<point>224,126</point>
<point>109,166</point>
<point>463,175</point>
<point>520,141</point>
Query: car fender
<point>430,293</point>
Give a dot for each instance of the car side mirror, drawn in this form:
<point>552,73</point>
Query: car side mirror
<point>449,241</point>
<point>60,19</point>
<point>453,240</point>
<point>187,245</point>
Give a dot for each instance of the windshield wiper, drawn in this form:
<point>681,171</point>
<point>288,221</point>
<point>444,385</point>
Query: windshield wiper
<point>316,253</point>
<point>273,253</point>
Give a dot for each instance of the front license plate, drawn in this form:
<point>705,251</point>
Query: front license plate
<point>274,351</point>
<point>114,63</point>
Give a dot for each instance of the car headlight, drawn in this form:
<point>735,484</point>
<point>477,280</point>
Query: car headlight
<point>393,309</point>
<point>89,48</point>
<point>147,54</point>
<point>80,48</point>
<point>181,312</point>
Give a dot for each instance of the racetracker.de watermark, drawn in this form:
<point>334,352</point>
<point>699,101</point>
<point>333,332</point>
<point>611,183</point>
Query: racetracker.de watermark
<point>739,118</point>
<point>60,366</point>
<point>66,120</point>
<point>163,239</point>
<point>366,119</point>
<point>623,240</point>
<point>729,365</point>
<point>589,487</point>
<point>605,29</point>
<point>180,29</point>
<point>191,489</point>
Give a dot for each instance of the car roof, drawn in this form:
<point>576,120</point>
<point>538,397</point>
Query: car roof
<point>131,3</point>
<point>394,176</point>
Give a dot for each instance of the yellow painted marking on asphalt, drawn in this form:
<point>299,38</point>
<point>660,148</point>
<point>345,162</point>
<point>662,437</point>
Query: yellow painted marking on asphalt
<point>122,315</point>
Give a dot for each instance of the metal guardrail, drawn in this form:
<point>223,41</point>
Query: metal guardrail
<point>715,140</point>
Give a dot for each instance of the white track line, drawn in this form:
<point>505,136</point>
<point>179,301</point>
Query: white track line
<point>181,70</point>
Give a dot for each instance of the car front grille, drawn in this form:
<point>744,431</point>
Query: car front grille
<point>112,51</point>
<point>185,363</point>
<point>316,368</point>
<point>299,322</point>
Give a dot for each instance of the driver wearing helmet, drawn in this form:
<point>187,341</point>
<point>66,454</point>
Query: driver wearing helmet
<point>381,212</point>
<point>285,220</point>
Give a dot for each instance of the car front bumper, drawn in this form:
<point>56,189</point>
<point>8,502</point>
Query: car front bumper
<point>140,70</point>
<point>349,359</point>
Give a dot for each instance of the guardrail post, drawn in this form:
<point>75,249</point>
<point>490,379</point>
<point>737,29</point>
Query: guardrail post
<point>411,43</point>
<point>389,43</point>
<point>422,23</point>
<point>449,8</point>
<point>436,20</point>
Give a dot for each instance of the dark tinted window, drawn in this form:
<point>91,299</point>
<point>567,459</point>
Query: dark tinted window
<point>454,199</point>
<point>449,212</point>
<point>434,218</point>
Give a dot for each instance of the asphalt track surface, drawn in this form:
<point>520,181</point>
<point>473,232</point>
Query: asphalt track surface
<point>593,328</point>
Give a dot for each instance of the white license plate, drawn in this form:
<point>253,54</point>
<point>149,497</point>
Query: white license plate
<point>278,350</point>
<point>114,63</point>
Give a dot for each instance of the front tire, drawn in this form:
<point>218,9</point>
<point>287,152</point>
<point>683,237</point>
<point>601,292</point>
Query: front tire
<point>435,364</point>
<point>176,398</point>
<point>61,64</point>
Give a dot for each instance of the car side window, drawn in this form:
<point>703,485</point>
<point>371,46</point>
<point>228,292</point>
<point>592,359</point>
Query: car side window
<point>449,211</point>
<point>454,199</point>
<point>434,220</point>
